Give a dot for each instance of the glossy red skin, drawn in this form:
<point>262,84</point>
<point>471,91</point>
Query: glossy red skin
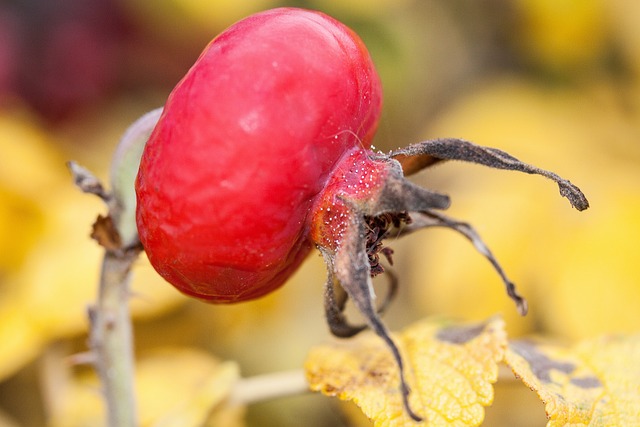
<point>246,143</point>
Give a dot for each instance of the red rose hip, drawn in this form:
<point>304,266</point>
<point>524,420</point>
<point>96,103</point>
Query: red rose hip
<point>263,151</point>
<point>246,141</point>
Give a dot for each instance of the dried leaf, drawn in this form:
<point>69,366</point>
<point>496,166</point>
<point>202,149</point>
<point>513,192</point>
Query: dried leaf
<point>451,369</point>
<point>595,383</point>
<point>105,233</point>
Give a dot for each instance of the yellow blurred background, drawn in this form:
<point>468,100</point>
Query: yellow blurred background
<point>555,83</point>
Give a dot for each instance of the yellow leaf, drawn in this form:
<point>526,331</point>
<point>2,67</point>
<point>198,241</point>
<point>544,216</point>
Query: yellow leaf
<point>29,168</point>
<point>20,340</point>
<point>29,164</point>
<point>595,383</point>
<point>451,369</point>
<point>21,224</point>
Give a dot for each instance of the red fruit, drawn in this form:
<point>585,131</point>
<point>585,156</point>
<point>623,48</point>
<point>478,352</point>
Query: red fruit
<point>246,142</point>
<point>262,152</point>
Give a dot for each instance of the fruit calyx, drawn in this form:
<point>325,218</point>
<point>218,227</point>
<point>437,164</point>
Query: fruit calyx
<point>378,227</point>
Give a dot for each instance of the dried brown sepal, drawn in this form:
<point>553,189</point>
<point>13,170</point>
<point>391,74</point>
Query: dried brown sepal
<point>424,154</point>
<point>421,220</point>
<point>105,233</point>
<point>335,300</point>
<point>349,267</point>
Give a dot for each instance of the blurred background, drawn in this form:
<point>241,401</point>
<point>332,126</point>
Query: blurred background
<point>554,82</point>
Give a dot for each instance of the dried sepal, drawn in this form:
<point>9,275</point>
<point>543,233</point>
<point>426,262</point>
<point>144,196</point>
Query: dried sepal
<point>335,300</point>
<point>398,194</point>
<point>431,218</point>
<point>351,270</point>
<point>105,233</point>
<point>418,156</point>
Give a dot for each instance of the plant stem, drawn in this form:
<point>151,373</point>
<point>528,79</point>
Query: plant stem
<point>111,337</point>
<point>111,332</point>
<point>269,386</point>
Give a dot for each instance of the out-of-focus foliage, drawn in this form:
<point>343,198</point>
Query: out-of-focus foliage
<point>177,388</point>
<point>563,260</point>
<point>189,20</point>
<point>555,83</point>
<point>561,36</point>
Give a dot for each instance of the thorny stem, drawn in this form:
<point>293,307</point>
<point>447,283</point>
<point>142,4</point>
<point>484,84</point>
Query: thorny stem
<point>111,337</point>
